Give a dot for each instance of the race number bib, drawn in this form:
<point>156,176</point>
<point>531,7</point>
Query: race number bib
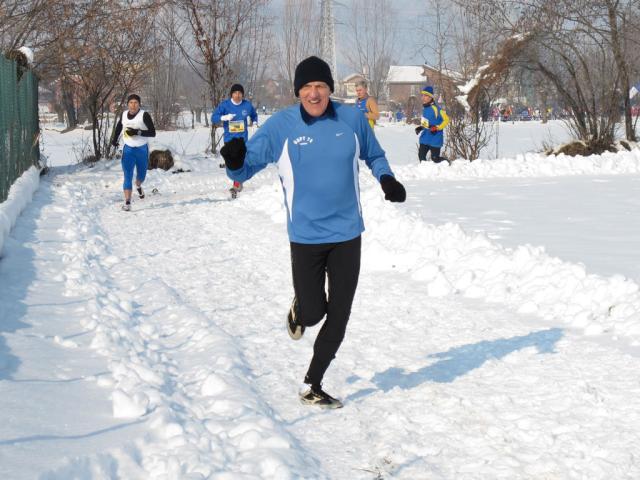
<point>424,122</point>
<point>236,127</point>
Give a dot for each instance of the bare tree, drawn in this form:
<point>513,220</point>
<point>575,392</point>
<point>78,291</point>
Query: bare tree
<point>108,60</point>
<point>372,36</point>
<point>215,26</point>
<point>583,51</point>
<point>456,36</point>
<point>54,66</point>
<point>165,68</point>
<point>609,21</point>
<point>254,52</point>
<point>436,28</point>
<point>192,90</point>
<point>585,79</point>
<point>300,36</point>
<point>469,133</point>
<point>48,27</point>
<point>22,22</point>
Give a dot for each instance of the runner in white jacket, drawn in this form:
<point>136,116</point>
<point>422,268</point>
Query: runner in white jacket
<point>138,128</point>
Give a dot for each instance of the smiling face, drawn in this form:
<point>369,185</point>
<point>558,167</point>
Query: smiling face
<point>134,106</point>
<point>314,97</point>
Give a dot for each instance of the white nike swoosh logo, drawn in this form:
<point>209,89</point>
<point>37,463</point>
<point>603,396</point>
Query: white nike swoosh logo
<point>338,134</point>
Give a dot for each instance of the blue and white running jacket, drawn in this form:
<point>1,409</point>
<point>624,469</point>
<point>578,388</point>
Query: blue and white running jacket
<point>317,160</point>
<point>237,126</point>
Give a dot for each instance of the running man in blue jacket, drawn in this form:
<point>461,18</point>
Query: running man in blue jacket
<point>316,146</point>
<point>233,113</point>
<point>431,128</point>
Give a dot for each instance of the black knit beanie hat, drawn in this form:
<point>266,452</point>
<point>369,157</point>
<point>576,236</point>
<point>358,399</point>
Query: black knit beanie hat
<point>236,87</point>
<point>133,96</point>
<point>312,69</point>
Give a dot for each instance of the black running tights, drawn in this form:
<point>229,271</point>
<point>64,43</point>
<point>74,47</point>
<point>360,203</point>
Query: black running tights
<point>435,153</point>
<point>311,265</point>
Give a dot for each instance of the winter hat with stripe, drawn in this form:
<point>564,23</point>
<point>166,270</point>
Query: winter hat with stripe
<point>428,90</point>
<point>312,69</point>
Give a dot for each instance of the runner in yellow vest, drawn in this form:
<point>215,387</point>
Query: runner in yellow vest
<point>367,104</point>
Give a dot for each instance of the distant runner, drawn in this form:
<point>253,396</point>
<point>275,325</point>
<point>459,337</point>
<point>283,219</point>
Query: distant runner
<point>367,104</point>
<point>138,128</point>
<point>233,113</point>
<point>432,125</point>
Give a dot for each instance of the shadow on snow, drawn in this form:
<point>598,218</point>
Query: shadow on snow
<point>458,361</point>
<point>17,274</point>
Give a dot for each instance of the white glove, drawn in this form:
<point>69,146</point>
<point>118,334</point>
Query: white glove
<point>227,117</point>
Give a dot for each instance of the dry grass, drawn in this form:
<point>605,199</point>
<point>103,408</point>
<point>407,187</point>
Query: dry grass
<point>580,148</point>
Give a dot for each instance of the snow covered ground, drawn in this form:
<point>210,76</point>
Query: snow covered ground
<point>495,332</point>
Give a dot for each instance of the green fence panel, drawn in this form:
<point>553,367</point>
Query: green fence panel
<point>19,127</point>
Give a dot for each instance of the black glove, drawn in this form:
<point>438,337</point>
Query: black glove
<point>233,153</point>
<point>393,189</point>
<point>133,131</point>
<point>419,128</point>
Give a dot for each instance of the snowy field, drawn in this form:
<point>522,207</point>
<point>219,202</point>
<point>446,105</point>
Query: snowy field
<point>495,333</point>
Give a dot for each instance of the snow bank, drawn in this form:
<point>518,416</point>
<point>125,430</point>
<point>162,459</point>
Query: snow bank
<point>450,261</point>
<point>20,196</point>
<point>526,165</point>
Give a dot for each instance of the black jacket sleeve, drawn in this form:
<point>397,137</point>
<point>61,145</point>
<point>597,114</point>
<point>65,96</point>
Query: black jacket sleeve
<point>116,134</point>
<point>151,129</point>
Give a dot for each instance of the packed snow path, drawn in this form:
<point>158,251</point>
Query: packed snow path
<point>184,299</point>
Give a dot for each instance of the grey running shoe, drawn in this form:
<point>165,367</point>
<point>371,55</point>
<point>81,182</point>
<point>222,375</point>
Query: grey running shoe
<point>293,327</point>
<point>314,395</point>
<point>126,207</point>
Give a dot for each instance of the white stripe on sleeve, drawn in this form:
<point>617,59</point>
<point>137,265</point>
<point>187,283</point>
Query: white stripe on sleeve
<point>356,170</point>
<point>286,176</point>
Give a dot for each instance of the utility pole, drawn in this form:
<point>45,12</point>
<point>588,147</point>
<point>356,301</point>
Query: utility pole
<point>328,39</point>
